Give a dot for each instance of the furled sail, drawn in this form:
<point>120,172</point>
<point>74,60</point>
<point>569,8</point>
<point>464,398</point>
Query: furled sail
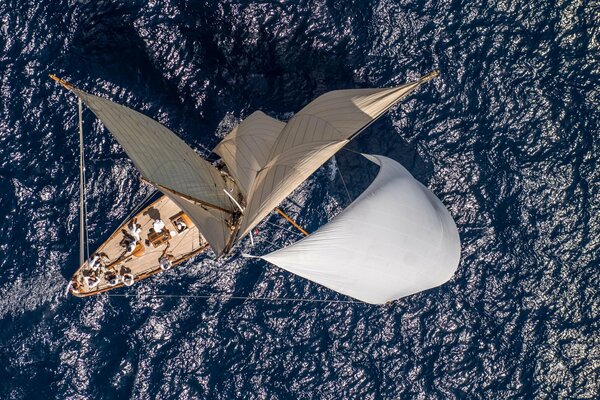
<point>310,138</point>
<point>160,155</point>
<point>245,150</point>
<point>395,239</point>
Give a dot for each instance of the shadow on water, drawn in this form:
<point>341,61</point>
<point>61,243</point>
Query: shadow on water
<point>379,138</point>
<point>241,77</point>
<point>107,46</point>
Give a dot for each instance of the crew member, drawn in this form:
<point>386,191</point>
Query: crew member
<point>93,262</point>
<point>131,246</point>
<point>180,224</point>
<point>165,262</point>
<point>158,225</point>
<point>134,230</point>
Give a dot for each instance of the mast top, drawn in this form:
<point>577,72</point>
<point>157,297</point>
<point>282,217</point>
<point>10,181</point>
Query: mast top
<point>62,82</point>
<point>433,74</point>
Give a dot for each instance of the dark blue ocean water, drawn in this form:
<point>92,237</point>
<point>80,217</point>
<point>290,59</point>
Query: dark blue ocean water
<point>507,137</point>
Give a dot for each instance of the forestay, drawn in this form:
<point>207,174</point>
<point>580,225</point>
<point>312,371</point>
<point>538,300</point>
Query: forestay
<point>395,239</point>
<point>160,155</point>
<point>310,138</point>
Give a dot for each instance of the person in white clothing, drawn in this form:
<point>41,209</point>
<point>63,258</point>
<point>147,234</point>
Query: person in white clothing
<point>91,281</point>
<point>158,225</point>
<point>134,230</point>
<point>165,262</point>
<point>93,262</point>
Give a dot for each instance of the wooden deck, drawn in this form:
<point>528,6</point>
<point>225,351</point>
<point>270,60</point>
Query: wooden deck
<point>117,267</point>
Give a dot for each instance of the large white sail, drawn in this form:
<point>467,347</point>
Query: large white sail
<point>311,137</point>
<point>395,239</point>
<point>245,150</point>
<point>160,155</point>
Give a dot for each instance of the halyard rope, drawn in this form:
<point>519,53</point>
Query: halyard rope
<point>343,182</point>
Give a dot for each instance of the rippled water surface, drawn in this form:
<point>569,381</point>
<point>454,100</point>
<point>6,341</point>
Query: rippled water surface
<point>507,137</point>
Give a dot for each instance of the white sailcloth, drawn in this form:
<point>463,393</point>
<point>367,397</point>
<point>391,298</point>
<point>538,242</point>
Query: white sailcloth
<point>245,150</point>
<point>160,155</point>
<point>310,138</point>
<point>395,239</point>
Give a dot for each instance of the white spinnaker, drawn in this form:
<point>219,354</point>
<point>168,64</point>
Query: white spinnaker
<point>310,138</point>
<point>160,155</point>
<point>245,150</point>
<point>395,239</point>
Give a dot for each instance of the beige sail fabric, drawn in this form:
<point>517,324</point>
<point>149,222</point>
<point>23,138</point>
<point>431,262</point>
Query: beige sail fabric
<point>210,221</point>
<point>160,155</point>
<point>245,150</point>
<point>311,137</point>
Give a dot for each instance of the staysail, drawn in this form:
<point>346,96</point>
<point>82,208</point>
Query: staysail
<point>395,239</point>
<point>245,150</point>
<point>310,138</point>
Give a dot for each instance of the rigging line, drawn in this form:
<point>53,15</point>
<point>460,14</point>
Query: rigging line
<point>234,201</point>
<point>352,151</point>
<point>343,182</point>
<point>268,241</point>
<point>228,297</point>
<point>274,246</point>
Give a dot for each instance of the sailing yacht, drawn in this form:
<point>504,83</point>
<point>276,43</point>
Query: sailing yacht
<point>408,240</point>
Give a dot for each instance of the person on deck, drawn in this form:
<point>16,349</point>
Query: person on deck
<point>158,225</point>
<point>131,246</point>
<point>134,230</point>
<point>181,225</point>
<point>74,286</point>
<point>93,262</point>
<point>91,281</point>
<point>112,279</point>
<point>165,262</point>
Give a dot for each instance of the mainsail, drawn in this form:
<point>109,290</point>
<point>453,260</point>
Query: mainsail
<point>171,165</point>
<point>160,155</point>
<point>395,239</point>
<point>310,138</point>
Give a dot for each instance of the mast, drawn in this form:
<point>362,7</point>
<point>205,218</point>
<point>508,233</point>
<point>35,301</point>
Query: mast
<point>84,248</point>
<point>84,251</point>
